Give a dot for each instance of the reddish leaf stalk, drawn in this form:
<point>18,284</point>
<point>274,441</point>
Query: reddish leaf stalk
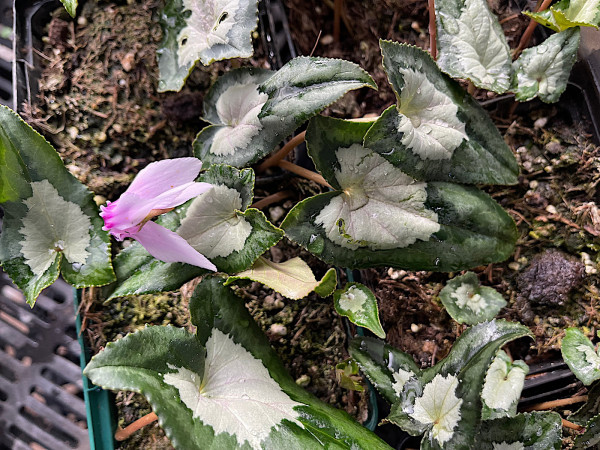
<point>124,433</point>
<point>432,29</point>
<point>524,42</point>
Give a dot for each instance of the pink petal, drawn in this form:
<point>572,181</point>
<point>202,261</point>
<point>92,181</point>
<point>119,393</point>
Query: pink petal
<point>168,246</point>
<point>126,212</point>
<point>161,176</point>
<point>176,196</point>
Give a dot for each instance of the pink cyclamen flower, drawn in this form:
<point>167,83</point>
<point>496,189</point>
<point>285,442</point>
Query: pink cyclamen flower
<point>158,188</point>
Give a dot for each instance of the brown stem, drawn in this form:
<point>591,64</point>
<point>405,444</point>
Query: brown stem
<point>571,425</point>
<point>274,159</point>
<point>308,174</point>
<point>273,198</point>
<point>556,403</point>
<point>432,29</point>
<point>524,42</point>
<point>337,14</point>
<point>470,88</point>
<point>124,433</point>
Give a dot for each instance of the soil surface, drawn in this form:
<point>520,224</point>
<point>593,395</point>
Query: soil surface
<point>107,127</point>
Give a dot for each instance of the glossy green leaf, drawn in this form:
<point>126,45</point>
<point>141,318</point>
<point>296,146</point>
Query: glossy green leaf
<point>386,367</point>
<point>299,90</point>
<point>537,430</point>
<point>580,355</point>
<point>379,216</point>
<point>292,278</point>
<point>502,387</point>
<point>236,134</point>
<point>216,223</point>
<point>51,223</point>
<point>224,387</point>
<point>590,438</point>
<point>468,302</point>
<point>437,132</point>
<point>205,31</point>
<point>590,408</point>
<point>359,305</point>
<point>543,71</point>
<point>307,85</point>
<point>70,6</point>
<point>566,14</point>
<point>471,44</point>
<point>446,401</point>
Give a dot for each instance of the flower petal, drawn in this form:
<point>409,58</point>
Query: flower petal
<point>161,176</point>
<point>126,212</point>
<point>168,246</point>
<point>178,195</point>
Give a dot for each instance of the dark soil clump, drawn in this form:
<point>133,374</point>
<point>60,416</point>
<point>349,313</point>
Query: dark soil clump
<point>549,278</point>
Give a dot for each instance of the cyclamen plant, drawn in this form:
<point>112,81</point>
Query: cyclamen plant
<point>402,195</point>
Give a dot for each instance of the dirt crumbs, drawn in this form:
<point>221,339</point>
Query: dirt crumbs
<point>98,102</point>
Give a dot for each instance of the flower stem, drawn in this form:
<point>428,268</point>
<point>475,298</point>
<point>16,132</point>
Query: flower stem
<point>573,426</point>
<point>432,29</point>
<point>337,14</point>
<point>274,159</point>
<point>529,30</point>
<point>291,167</point>
<point>556,403</point>
<point>273,198</point>
<point>124,433</point>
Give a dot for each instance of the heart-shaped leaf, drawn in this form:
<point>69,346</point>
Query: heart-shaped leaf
<point>293,278</point>
<point>566,14</point>
<point>232,105</point>
<point>386,367</point>
<point>51,223</point>
<point>445,402</point>
<point>537,430</point>
<point>437,131</point>
<point>216,224</point>
<point>502,388</point>
<point>580,355</point>
<point>471,44</point>
<point>543,71</point>
<point>468,302</point>
<point>224,387</point>
<point>299,90</point>
<point>359,305</point>
<point>206,31</point>
<point>379,216</point>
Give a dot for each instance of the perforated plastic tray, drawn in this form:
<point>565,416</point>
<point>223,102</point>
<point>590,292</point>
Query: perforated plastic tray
<point>41,395</point>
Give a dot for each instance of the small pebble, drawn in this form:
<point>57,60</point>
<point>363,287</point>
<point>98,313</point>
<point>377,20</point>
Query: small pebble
<point>276,254</point>
<point>395,274</point>
<point>128,61</point>
<point>514,266</point>
<point>82,21</point>
<point>73,132</point>
<point>534,184</point>
<point>551,209</point>
<point>327,39</point>
<point>276,213</point>
<point>590,266</point>
<point>273,302</point>
<point>414,327</point>
<point>540,123</point>
<point>277,330</point>
<point>303,381</point>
